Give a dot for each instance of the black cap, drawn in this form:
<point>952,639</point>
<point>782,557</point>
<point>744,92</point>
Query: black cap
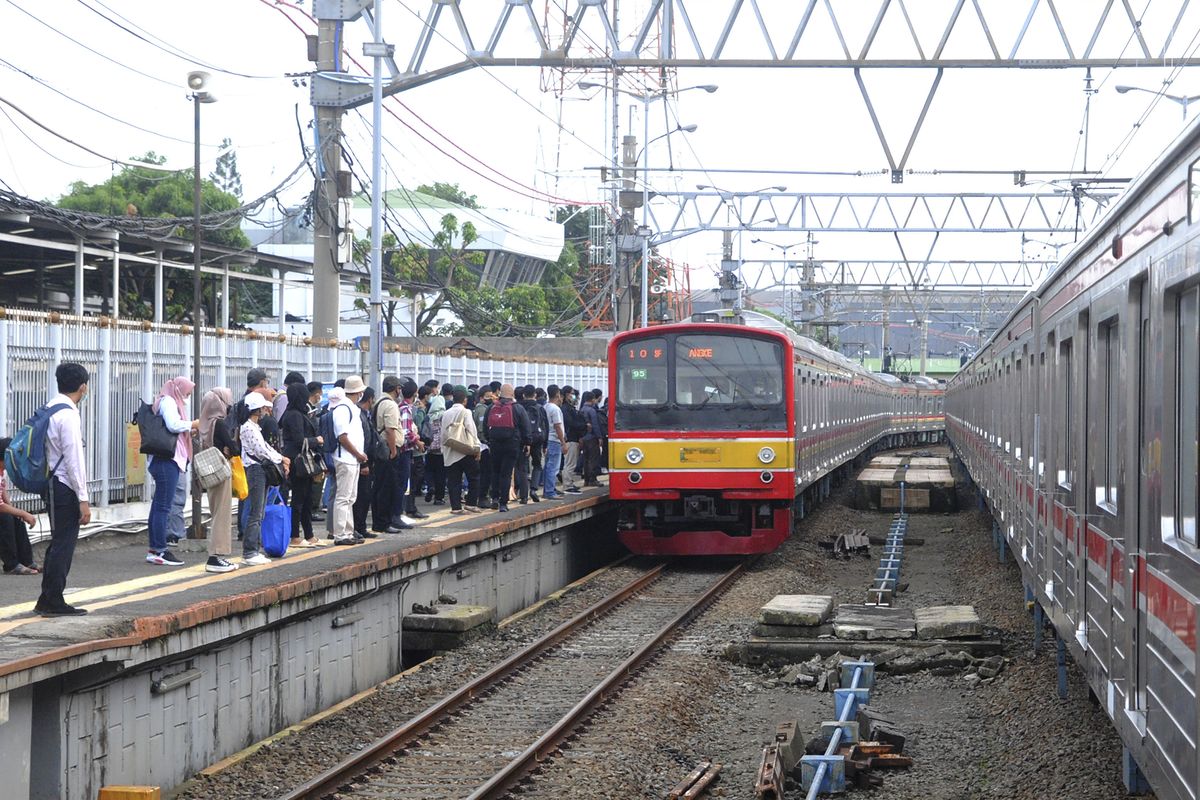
<point>254,377</point>
<point>391,383</point>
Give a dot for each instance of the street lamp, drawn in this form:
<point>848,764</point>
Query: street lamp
<point>789,310</point>
<point>646,100</point>
<point>196,81</point>
<point>1183,101</point>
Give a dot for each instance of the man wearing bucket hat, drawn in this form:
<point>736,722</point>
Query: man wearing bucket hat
<point>348,459</point>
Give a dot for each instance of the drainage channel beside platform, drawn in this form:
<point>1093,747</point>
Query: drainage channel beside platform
<point>172,671</point>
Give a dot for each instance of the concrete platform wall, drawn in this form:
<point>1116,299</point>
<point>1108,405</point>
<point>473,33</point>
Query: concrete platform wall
<point>262,671</point>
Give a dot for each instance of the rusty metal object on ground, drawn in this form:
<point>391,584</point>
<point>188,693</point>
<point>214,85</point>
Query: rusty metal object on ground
<point>696,782</point>
<point>769,785</point>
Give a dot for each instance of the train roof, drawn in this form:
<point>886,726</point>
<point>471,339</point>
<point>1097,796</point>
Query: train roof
<point>1137,189</point>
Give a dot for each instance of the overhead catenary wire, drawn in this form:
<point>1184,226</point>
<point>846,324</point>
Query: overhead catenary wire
<point>165,46</point>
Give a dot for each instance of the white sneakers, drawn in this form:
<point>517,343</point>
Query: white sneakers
<point>256,560</point>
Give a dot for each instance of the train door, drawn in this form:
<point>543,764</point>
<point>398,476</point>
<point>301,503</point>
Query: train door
<point>1077,455</point>
<point>1105,502</point>
<point>1132,619</point>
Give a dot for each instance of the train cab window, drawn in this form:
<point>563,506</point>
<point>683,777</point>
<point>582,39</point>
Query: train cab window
<point>1109,341</point>
<point>1187,410</point>
<point>642,372</point>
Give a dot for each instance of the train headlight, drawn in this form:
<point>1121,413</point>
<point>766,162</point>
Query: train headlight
<point>634,456</point>
<point>635,477</point>
<point>766,455</point>
<point>766,477</point>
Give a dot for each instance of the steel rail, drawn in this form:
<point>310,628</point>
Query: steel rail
<point>337,776</point>
<point>550,741</point>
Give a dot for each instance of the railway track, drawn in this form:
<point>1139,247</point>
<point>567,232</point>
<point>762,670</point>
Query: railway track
<point>484,738</point>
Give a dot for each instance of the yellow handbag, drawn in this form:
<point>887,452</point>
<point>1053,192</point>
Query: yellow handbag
<point>241,488</point>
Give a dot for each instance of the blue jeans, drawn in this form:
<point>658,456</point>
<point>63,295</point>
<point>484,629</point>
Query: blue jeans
<point>166,478</point>
<point>175,519</point>
<point>401,472</point>
<point>550,472</point>
<point>257,481</point>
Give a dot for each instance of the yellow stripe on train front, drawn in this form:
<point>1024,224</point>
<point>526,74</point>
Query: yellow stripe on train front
<point>625,454</point>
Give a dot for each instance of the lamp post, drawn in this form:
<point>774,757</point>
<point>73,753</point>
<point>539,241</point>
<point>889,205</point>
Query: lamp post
<point>789,312</point>
<point>1183,101</point>
<point>196,81</point>
<point>646,100</point>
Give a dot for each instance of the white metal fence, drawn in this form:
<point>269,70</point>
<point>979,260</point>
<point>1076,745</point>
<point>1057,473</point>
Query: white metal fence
<point>129,361</point>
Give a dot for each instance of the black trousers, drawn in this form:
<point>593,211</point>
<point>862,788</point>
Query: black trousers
<point>469,467</point>
<point>301,503</point>
<point>384,491</point>
<point>435,472</point>
<point>590,449</point>
<point>362,504</point>
<point>64,534</point>
<point>485,474</point>
<point>504,460</point>
<point>416,480</point>
<point>15,549</point>
<point>522,474</point>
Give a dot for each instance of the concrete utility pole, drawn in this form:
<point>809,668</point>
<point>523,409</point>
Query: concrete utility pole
<point>924,323</point>
<point>887,327</point>
<point>326,227</point>
<point>629,199</point>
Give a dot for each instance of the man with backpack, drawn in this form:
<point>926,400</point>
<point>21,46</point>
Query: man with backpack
<point>529,464</point>
<point>408,444</point>
<point>64,475</point>
<point>508,436</point>
<point>424,426</point>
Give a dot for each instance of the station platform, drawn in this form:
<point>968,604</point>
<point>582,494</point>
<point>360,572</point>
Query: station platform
<point>130,601</point>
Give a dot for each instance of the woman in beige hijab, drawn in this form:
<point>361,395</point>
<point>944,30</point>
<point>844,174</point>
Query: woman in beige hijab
<point>213,408</point>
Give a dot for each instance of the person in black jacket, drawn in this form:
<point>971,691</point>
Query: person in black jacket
<point>508,436</point>
<point>530,458</point>
<point>297,428</point>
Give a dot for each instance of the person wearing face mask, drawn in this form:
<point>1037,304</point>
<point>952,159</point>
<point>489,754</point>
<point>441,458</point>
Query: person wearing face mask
<point>67,497</point>
<point>170,404</point>
<point>574,426</point>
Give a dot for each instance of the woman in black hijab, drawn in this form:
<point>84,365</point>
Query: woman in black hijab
<point>297,430</point>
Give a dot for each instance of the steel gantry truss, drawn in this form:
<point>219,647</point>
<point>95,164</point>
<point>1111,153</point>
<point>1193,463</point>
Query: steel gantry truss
<point>863,274</point>
<point>453,37</point>
<point>1014,212</point>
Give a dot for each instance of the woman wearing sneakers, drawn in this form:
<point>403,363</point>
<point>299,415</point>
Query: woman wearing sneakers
<point>255,452</point>
<point>171,404</point>
<point>215,404</point>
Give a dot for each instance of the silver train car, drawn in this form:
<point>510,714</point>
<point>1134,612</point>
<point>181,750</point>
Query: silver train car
<point>1078,421</point>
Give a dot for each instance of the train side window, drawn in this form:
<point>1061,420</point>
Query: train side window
<point>1187,411</point>
<point>1109,340</point>
<point>1194,193</point>
<point>1064,420</point>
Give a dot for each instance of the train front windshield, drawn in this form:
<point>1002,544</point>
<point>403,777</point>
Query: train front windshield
<point>700,381</point>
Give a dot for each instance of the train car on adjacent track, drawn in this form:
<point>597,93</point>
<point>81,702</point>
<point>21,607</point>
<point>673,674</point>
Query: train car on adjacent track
<point>1078,421</point>
<point>720,434</point>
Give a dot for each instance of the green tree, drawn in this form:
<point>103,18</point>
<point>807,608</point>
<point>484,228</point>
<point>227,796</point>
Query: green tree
<point>451,193</point>
<point>144,192</point>
<point>225,175</point>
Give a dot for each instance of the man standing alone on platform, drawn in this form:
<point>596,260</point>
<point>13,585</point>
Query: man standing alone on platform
<point>67,498</point>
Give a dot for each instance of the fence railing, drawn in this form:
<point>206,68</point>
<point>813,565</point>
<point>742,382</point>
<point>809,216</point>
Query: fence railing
<point>130,361</point>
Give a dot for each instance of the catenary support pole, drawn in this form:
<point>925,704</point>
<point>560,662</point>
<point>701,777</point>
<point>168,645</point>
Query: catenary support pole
<point>378,49</point>
<point>326,297</point>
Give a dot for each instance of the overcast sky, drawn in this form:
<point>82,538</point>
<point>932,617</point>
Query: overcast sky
<point>786,119</point>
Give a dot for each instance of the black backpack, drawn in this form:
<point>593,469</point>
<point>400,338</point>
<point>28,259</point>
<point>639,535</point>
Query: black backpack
<point>375,446</point>
<point>539,424</point>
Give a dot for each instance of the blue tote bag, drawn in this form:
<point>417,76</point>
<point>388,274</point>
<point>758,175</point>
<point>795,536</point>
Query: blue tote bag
<point>276,525</point>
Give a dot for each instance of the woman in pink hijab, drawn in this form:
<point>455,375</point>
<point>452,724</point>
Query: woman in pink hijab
<point>171,405</point>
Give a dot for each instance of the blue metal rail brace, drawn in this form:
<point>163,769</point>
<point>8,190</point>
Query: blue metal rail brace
<point>883,589</point>
<point>827,773</point>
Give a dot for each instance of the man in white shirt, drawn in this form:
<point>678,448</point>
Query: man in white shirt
<point>67,499</point>
<point>556,437</point>
<point>349,460</point>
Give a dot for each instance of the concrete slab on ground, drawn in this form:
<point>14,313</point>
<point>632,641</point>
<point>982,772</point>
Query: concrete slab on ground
<point>947,622</point>
<point>803,610</point>
<point>874,622</point>
<point>451,619</point>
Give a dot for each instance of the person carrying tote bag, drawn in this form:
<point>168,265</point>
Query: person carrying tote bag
<point>255,453</point>
<point>215,404</point>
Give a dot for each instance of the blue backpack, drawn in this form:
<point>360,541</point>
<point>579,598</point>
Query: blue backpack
<point>325,428</point>
<point>25,459</point>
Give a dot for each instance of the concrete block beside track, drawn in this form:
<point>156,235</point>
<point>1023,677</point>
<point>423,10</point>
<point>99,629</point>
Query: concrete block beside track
<point>799,610</point>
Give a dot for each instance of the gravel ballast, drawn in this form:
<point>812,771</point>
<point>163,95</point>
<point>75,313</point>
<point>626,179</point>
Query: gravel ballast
<point>1010,736</point>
